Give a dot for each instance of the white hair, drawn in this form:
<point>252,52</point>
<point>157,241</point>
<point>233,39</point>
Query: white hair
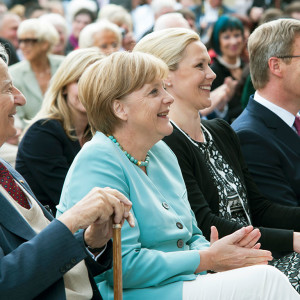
<point>86,36</point>
<point>43,30</point>
<point>158,5</point>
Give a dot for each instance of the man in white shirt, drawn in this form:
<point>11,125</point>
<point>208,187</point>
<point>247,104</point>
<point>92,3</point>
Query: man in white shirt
<point>267,128</point>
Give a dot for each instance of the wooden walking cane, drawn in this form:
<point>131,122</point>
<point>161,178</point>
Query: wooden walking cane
<point>117,262</point>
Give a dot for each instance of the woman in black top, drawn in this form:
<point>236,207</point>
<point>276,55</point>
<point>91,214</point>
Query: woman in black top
<point>220,189</point>
<point>58,132</point>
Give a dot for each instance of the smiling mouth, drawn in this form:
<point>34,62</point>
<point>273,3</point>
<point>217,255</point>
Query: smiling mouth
<point>206,88</point>
<point>163,114</point>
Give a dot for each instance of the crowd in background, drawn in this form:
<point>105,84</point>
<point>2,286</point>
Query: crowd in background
<point>216,76</point>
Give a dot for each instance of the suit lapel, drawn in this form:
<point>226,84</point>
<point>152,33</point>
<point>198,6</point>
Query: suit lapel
<point>12,220</point>
<point>10,217</point>
<point>276,125</point>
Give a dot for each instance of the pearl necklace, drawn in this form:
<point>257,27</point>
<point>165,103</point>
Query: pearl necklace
<point>139,163</point>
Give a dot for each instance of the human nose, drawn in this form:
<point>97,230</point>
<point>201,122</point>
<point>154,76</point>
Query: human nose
<point>211,74</point>
<point>18,97</point>
<point>168,99</point>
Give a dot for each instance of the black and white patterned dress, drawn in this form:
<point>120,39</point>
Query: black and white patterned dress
<point>233,203</point>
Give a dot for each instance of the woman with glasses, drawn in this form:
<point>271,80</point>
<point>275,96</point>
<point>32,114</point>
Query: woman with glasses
<point>32,75</point>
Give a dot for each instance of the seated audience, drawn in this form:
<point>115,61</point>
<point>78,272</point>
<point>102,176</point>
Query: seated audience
<point>220,189</point>
<point>268,128</point>
<point>121,17</point>
<point>80,19</point>
<point>32,75</point>
<point>207,13</point>
<point>165,256</point>
<point>228,42</point>
<point>220,95</point>
<point>58,131</point>
<point>42,257</point>
<point>60,24</point>
<point>103,34</point>
<point>9,24</point>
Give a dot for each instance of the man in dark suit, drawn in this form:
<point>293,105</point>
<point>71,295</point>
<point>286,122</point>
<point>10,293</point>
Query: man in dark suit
<point>267,128</point>
<point>42,257</point>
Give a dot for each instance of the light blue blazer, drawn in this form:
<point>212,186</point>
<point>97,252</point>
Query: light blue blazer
<point>158,254</point>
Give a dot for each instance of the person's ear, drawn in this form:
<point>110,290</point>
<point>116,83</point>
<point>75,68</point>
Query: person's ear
<point>120,111</point>
<point>276,66</point>
<point>168,81</point>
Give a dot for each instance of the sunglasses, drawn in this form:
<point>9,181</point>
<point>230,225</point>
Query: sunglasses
<point>28,41</point>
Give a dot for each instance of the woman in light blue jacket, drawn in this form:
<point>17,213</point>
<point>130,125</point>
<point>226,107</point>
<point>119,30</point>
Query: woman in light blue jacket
<point>165,256</point>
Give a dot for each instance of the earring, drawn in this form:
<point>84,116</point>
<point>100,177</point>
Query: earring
<point>168,84</point>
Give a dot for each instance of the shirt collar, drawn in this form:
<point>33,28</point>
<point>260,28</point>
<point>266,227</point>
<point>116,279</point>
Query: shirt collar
<point>283,114</point>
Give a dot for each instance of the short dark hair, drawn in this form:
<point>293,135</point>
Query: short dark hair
<point>85,11</point>
<point>224,23</point>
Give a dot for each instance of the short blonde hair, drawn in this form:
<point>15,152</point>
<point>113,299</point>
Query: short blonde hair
<point>275,38</point>
<point>42,30</point>
<point>54,104</point>
<point>168,44</point>
<point>113,78</point>
<point>86,36</point>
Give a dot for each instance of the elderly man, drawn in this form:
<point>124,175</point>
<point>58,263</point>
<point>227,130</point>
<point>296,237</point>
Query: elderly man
<point>269,126</point>
<point>42,257</point>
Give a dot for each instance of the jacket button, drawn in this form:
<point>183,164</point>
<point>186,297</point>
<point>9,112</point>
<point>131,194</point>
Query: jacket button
<point>179,225</point>
<point>62,270</point>
<point>165,205</point>
<point>73,260</point>
<point>68,266</point>
<point>180,243</point>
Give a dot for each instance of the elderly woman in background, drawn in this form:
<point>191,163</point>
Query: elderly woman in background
<point>220,188</point>
<point>32,75</point>
<point>57,132</point>
<point>165,256</point>
<point>120,16</point>
<point>103,34</point>
<point>61,25</point>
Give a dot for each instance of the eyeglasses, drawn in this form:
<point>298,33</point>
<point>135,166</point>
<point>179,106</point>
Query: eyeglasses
<point>28,41</point>
<point>287,56</point>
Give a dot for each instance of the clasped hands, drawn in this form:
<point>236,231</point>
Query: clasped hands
<point>239,249</point>
<point>96,213</point>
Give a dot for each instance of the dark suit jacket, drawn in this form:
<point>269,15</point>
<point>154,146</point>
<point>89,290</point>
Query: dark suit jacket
<point>272,151</point>
<point>44,157</point>
<point>32,266</point>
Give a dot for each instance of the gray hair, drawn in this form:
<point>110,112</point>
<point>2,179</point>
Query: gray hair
<point>86,36</point>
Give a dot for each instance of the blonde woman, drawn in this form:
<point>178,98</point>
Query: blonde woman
<point>220,189</point>
<point>165,255</point>
<point>58,131</point>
